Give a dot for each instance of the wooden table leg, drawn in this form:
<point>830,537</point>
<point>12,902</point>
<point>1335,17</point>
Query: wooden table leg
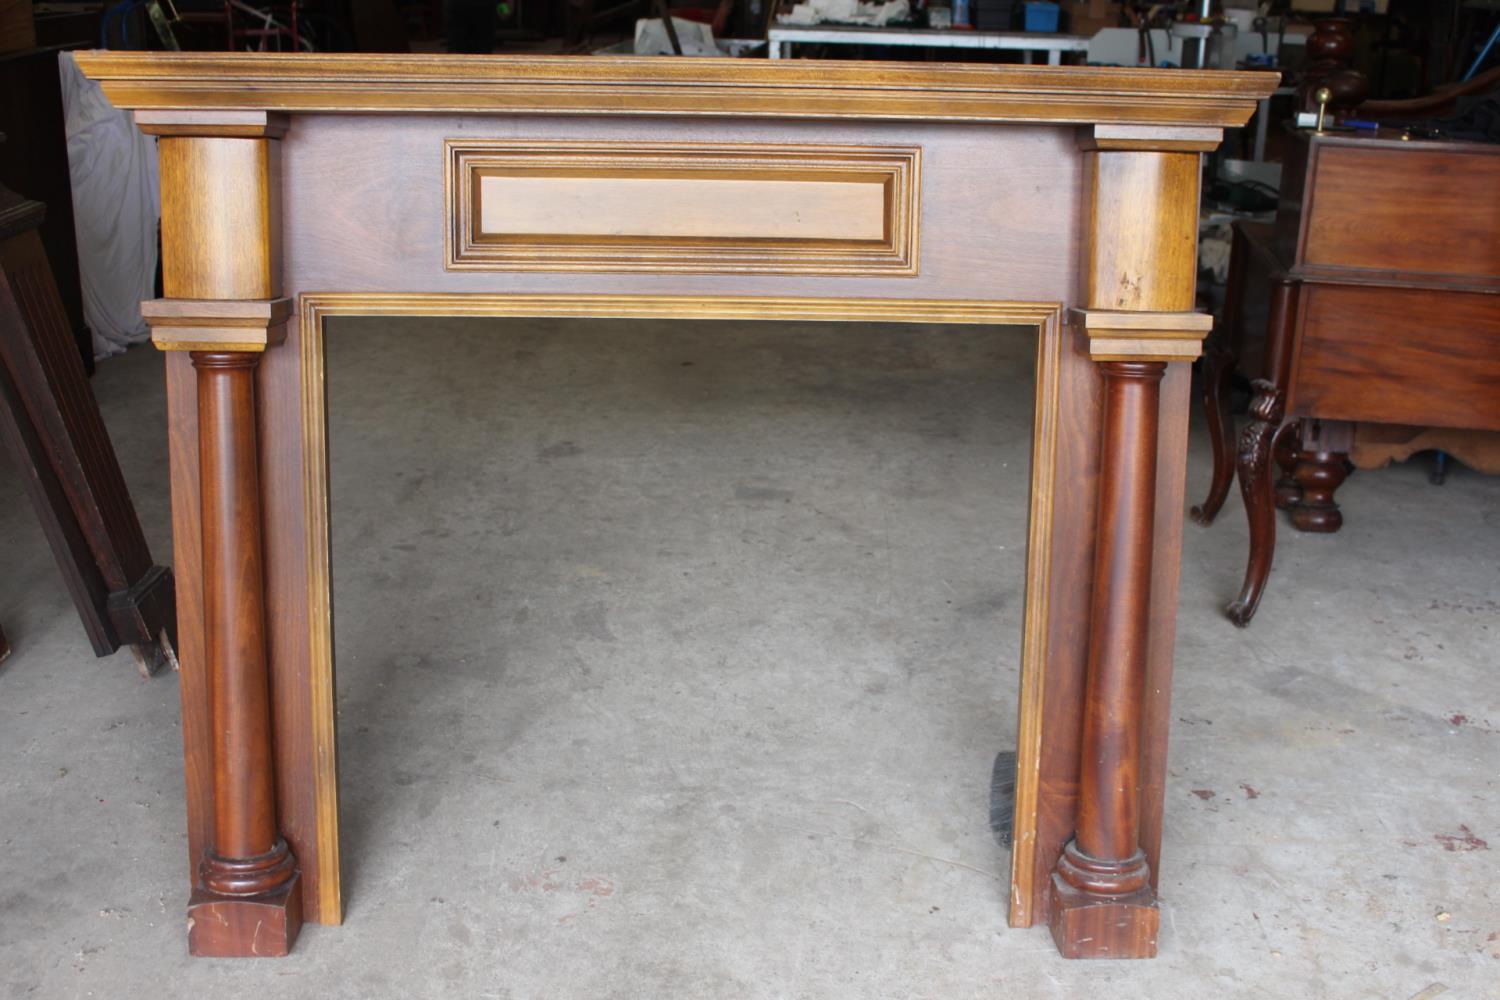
<point>1220,361</point>
<point>1258,445</point>
<point>74,479</point>
<point>1256,487</point>
<point>1322,465</point>
<point>1284,453</point>
<point>1218,373</point>
<point>1319,474</point>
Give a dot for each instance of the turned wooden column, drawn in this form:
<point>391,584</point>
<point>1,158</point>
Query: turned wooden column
<point>1102,895</point>
<point>249,857</point>
<point>1320,467</point>
<point>221,272</point>
<point>1105,853</point>
<point>1138,284</point>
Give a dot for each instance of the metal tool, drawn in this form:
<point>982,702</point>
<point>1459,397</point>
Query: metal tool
<point>666,22</point>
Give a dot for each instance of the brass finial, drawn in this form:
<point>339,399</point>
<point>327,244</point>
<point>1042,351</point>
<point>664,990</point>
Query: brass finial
<point>1322,95</point>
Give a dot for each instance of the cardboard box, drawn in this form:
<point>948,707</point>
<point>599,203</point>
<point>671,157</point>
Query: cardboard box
<point>1088,17</point>
<point>17,26</point>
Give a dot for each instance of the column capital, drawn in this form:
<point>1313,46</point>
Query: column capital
<point>1120,335</point>
<point>217,325</point>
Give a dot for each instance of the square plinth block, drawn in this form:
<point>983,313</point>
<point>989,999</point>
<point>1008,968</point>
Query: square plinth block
<point>1089,926</point>
<point>263,926</point>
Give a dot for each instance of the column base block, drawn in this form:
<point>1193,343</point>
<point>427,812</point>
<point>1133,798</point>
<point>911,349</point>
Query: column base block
<point>1086,925</point>
<point>262,926</point>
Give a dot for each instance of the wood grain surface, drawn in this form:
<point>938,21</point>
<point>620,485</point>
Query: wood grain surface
<point>61,440</point>
<point>1138,253</point>
<point>187,566</point>
<point>220,217</point>
<point>668,207</point>
<point>651,86</point>
<point>1144,336</point>
<point>998,207</point>
<point>1143,214</point>
<point>296,531</point>
<point>1407,210</point>
<point>1398,355</point>
<point>217,324</point>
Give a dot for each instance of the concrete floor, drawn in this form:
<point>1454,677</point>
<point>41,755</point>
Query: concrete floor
<point>672,664</point>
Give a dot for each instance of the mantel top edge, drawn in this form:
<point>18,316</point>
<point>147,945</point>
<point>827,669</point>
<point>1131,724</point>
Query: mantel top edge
<point>625,85</point>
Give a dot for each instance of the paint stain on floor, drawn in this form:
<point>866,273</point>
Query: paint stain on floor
<point>581,893</point>
<point>1463,840</point>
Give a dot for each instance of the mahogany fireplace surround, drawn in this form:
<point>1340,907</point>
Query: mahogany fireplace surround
<point>299,187</point>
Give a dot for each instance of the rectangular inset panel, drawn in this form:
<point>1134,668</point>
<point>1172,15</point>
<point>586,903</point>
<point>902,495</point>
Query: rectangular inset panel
<point>583,206</point>
<point>1412,211</point>
<point>661,206</point>
<point>1399,355</point>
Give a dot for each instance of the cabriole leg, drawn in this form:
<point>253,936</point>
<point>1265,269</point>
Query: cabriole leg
<point>1218,369</point>
<point>1260,500</point>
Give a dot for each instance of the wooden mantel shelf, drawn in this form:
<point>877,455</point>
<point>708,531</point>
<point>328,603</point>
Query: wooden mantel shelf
<point>558,85</point>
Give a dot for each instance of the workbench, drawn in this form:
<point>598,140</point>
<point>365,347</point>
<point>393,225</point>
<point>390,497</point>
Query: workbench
<point>781,38</point>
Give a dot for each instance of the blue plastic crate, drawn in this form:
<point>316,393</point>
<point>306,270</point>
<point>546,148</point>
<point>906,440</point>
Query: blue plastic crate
<point>1042,17</point>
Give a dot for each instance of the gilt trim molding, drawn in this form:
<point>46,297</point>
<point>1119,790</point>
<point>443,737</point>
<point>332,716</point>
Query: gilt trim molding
<point>665,207</point>
<point>613,86</point>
